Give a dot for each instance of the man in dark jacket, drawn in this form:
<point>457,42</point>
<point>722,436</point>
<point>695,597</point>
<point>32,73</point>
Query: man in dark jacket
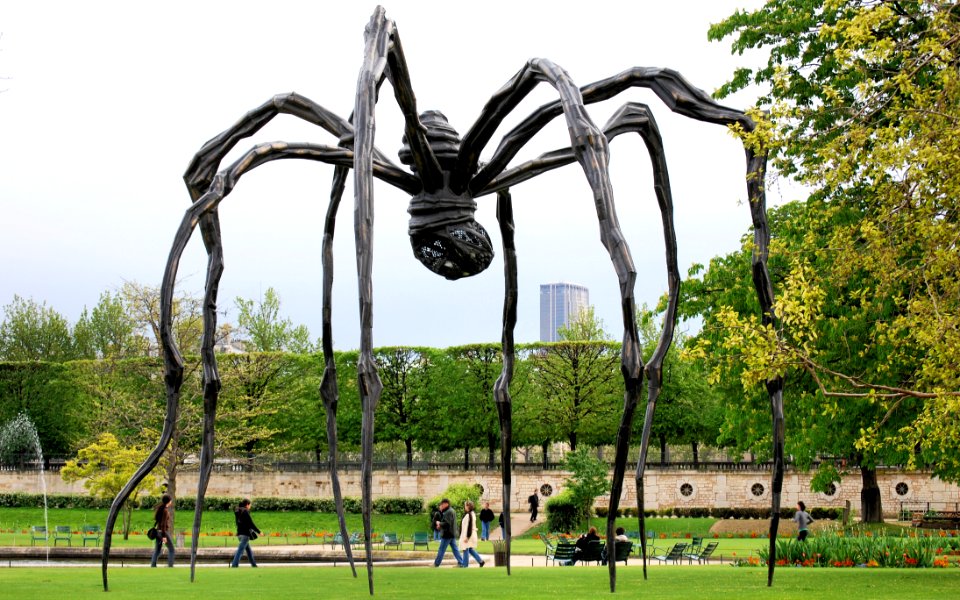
<point>447,525</point>
<point>486,517</point>
<point>246,530</point>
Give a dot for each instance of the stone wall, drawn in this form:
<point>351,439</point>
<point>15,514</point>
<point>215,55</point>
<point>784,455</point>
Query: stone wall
<point>664,488</point>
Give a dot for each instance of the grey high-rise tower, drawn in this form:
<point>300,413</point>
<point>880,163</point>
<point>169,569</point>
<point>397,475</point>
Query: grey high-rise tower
<point>559,304</point>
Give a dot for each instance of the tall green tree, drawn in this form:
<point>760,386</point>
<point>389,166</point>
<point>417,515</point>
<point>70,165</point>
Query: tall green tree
<point>35,331</point>
<point>105,466</point>
<point>577,382</point>
<point>45,393</point>
<point>143,305</point>
<point>863,106</point>
<point>405,372</point>
<point>267,331</point>
<point>739,351</point>
<point>109,330</point>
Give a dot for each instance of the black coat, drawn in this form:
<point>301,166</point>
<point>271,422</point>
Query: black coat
<point>244,522</point>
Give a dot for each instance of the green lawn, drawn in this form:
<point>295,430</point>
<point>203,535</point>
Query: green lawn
<point>399,582</point>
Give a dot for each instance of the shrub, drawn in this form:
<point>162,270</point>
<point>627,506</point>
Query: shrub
<point>457,494</point>
<point>398,506</point>
<point>563,512</point>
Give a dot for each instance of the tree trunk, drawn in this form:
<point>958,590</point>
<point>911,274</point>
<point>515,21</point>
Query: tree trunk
<point>573,441</point>
<point>409,446</point>
<point>493,444</point>
<point>871,507</point>
<point>663,449</point>
<point>696,453</point>
<point>466,458</point>
<point>318,455</point>
<point>545,447</point>
<point>127,513</point>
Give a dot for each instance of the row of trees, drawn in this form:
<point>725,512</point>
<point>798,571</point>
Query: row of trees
<point>433,399</point>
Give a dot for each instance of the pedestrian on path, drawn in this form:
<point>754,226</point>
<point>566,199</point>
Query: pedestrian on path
<point>468,535</point>
<point>447,526</point>
<point>486,517</point>
<point>163,523</point>
<point>246,531</point>
<point>534,501</point>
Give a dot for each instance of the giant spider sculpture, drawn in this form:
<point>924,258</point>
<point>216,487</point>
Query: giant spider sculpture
<point>446,179</point>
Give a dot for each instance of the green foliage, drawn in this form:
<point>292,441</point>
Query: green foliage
<point>586,326</point>
<point>864,107</point>
<point>385,505</point>
<point>266,331</point>
<point>32,331</point>
<point>46,393</point>
<point>105,467</point>
<point>564,512</point>
<point>577,389</point>
<point>109,331</point>
<point>832,549</point>
<point>458,494</point>
<point>588,479</point>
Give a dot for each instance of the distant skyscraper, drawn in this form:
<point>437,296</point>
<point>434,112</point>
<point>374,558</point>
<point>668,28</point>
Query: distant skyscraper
<point>559,304</point>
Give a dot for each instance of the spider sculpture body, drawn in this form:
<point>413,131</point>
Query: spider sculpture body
<point>444,181</point>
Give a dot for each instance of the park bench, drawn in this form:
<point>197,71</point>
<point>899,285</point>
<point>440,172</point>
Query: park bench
<point>90,533</point>
<point>63,532</point>
<point>936,519</point>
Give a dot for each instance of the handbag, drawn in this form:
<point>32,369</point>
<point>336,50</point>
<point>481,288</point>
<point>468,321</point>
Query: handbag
<point>152,533</point>
<point>253,535</point>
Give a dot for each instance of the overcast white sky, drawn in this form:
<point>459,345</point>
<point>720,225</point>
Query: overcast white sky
<point>105,104</point>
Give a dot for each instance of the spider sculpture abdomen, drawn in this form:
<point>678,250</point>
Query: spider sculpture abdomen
<point>444,235</point>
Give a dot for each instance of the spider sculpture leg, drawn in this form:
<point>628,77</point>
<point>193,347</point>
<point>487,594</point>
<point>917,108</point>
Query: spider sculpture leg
<point>589,147</point>
<point>501,389</point>
<point>329,393</point>
<point>683,98</point>
<point>383,57</point>
<point>635,118</point>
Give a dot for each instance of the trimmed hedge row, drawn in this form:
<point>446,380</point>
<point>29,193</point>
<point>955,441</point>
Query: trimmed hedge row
<point>386,505</point>
<point>722,513</point>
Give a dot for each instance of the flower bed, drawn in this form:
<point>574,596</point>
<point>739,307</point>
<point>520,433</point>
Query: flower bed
<point>866,549</point>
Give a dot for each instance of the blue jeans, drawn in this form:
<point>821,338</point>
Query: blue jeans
<point>244,545</point>
<point>484,530</point>
<point>157,545</point>
<point>466,557</point>
<point>444,542</point>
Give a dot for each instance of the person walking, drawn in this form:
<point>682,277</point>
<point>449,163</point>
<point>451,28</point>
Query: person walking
<point>503,530</point>
<point>436,516</point>
<point>468,536</point>
<point>163,523</point>
<point>534,502</point>
<point>486,517</point>
<point>246,531</point>
<point>803,520</point>
<point>447,526</point>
